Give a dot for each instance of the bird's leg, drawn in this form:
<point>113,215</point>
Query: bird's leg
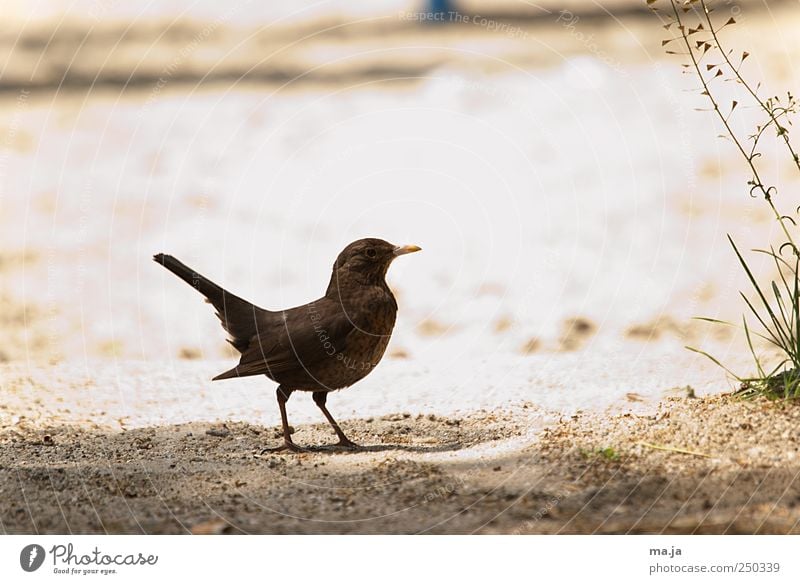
<point>320,397</point>
<point>283,396</point>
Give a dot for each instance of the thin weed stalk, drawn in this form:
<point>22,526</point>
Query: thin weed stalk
<point>776,308</point>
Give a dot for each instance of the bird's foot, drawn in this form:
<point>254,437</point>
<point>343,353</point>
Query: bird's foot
<point>285,447</point>
<point>347,444</point>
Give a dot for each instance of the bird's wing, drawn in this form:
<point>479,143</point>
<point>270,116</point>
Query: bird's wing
<point>296,339</point>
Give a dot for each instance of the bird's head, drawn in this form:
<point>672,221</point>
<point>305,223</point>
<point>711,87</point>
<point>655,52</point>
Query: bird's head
<point>366,261</point>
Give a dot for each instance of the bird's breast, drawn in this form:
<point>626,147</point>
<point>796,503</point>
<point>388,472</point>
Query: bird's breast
<point>374,320</point>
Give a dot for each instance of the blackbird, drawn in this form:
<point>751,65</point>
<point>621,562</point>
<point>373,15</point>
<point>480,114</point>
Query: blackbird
<point>322,346</point>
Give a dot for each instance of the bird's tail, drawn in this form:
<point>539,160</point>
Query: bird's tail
<point>239,317</point>
<point>206,287</point>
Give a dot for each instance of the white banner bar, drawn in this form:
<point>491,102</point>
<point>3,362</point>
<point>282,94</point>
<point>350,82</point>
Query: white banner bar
<point>378,559</point>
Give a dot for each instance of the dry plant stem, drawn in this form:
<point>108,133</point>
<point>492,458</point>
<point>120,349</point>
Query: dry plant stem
<point>758,183</point>
<point>780,129</point>
<point>671,449</point>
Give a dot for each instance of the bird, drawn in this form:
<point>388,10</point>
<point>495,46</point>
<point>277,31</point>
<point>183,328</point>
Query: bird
<point>319,347</point>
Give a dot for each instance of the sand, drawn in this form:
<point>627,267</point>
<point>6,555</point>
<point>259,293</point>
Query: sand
<point>480,473</point>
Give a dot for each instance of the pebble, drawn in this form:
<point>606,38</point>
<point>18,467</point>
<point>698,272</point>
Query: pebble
<point>218,432</point>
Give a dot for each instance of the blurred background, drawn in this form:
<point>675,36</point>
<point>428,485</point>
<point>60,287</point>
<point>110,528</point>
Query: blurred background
<point>571,204</point>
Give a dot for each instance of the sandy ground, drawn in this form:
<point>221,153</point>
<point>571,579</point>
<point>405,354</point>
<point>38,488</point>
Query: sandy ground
<point>572,208</point>
<point>479,473</point>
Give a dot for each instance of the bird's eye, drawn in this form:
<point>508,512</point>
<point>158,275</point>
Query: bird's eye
<point>371,253</point>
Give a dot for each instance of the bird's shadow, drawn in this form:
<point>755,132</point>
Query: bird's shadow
<point>336,449</point>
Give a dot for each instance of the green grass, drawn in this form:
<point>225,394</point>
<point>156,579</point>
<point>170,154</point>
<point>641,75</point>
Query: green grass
<point>777,312</point>
<point>607,453</point>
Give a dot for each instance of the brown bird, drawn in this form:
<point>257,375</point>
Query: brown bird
<point>322,346</point>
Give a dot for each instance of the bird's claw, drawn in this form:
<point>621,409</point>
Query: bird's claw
<point>347,444</point>
<point>343,444</point>
<point>285,447</point>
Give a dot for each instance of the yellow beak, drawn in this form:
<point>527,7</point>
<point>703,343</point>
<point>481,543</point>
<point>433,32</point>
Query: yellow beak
<point>404,249</point>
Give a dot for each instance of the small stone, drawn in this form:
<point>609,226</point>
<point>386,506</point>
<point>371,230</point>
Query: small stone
<point>222,432</point>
